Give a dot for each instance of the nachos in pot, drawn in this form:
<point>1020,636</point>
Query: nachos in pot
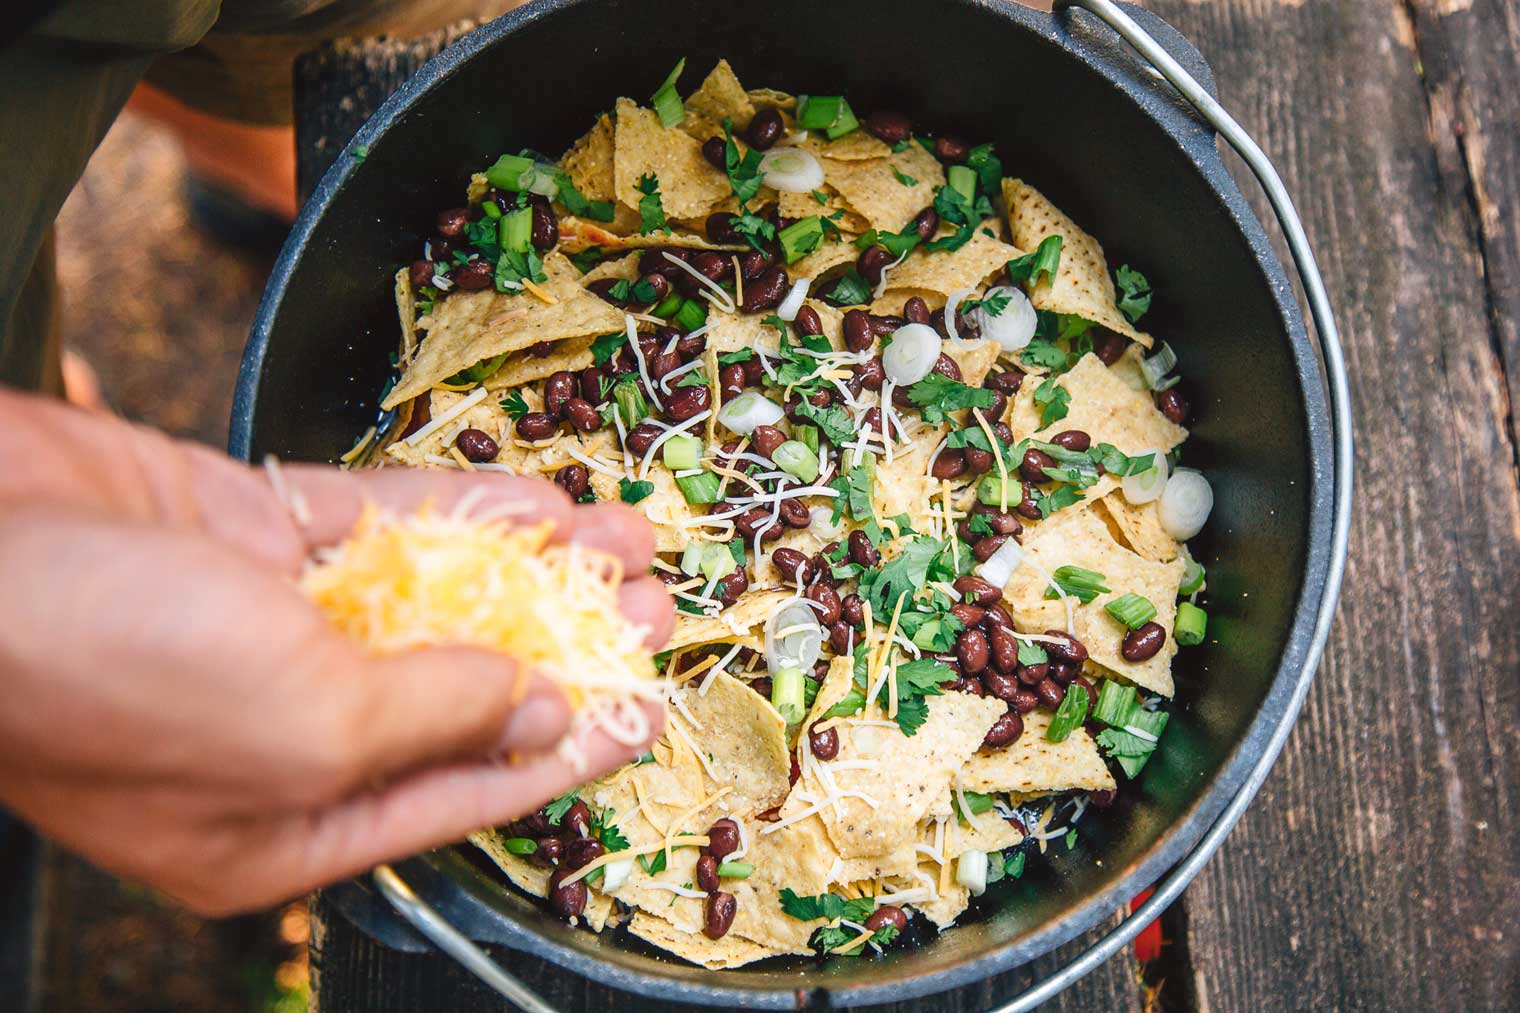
<point>915,476</point>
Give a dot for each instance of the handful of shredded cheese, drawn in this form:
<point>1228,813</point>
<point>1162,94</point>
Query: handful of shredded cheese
<point>451,579</point>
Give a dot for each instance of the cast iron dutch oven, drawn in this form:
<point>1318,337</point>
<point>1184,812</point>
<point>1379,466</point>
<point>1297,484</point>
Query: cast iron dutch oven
<point>1080,115</point>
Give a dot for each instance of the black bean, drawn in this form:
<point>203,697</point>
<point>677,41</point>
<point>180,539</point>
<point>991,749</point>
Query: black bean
<point>977,460</point>
<point>841,637</point>
<point>985,547</point>
<point>689,346</point>
<point>1024,701</point>
<point>1102,798</point>
<point>577,819</point>
<point>795,514</point>
<point>862,552</point>
<point>852,610</point>
<point>857,331</point>
<point>950,149</point>
<point>586,418</point>
<point>764,130</point>
<point>946,366</point>
<point>976,590</point>
<point>722,839</point>
<point>707,873</point>
<point>871,262</point>
<point>1108,347</point>
<point>591,384</point>
<point>765,439</point>
<point>731,587</point>
<point>762,686</point>
<point>718,915</point>
<point>1027,507</point>
<point>871,373</point>
<point>971,648</point>
<point>968,615</point>
<point>545,232</point>
<point>794,566</point>
<point>574,479</point>
<point>887,914</point>
<point>452,222</point>
<point>1173,405</point>
<point>1033,675</point>
<point>996,617</point>
<point>889,126</point>
<point>566,899</point>
<point>808,321</point>
<point>720,228</point>
<point>473,275</point>
<point>926,224</point>
<point>421,273</point>
<point>715,150</point>
<point>1001,522</point>
<point>641,437</point>
<point>662,363</point>
<point>1033,466</point>
<point>476,446</point>
<point>661,260</point>
<point>824,744</point>
<point>1074,440</point>
<point>1000,684</point>
<point>915,310</point>
<point>1064,646</point>
<point>766,291</point>
<point>536,426</point>
<point>1005,649</point>
<point>685,402</point>
<point>1064,671</point>
<point>758,520</point>
<point>1143,643</point>
<point>827,597</point>
<point>1051,693</point>
<point>547,850</point>
<point>1004,731</point>
<point>950,464</point>
<point>1006,383</point>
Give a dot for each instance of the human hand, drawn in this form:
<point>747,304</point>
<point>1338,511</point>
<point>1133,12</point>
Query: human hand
<point>174,709</point>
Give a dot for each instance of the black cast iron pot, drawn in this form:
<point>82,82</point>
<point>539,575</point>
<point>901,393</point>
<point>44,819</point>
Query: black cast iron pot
<point>1079,115</point>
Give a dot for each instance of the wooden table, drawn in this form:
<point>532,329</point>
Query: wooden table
<point>1379,866</point>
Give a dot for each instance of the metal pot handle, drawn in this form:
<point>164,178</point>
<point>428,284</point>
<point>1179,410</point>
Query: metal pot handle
<point>447,938</point>
<point>1334,366</point>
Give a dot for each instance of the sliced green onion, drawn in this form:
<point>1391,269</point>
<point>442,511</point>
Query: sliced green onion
<point>735,870</point>
<point>667,103</point>
<point>1116,701</point>
<point>1157,365</point>
<point>691,315</point>
<point>517,230</point>
<point>617,874</point>
<point>630,401</point>
<point>992,490</point>
<point>717,561</point>
<point>844,123</point>
<point>1192,624</point>
<point>818,112</point>
<point>699,489</point>
<point>971,871</point>
<point>807,435</point>
<point>520,845</point>
<point>1081,584</point>
<point>1192,578</point>
<point>691,558</point>
<point>507,172</point>
<point>490,209</point>
<point>962,180</point>
<point>801,238</point>
<point>683,453</point>
<point>1072,712</point>
<point>794,458</point>
<point>787,693</point>
<point>668,306</point>
<point>1132,610</point>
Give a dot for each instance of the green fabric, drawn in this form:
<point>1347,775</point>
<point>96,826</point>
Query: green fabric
<point>64,82</point>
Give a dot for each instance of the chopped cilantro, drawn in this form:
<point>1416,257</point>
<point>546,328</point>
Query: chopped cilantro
<point>731,358</point>
<point>993,306</point>
<point>1044,354</point>
<point>576,203</point>
<point>1058,499</point>
<point>605,347</point>
<point>651,210</point>
<point>587,259</point>
<point>937,394</point>
<point>895,243</point>
<point>1135,293</point>
<point>903,177</point>
<point>825,905</point>
<point>634,492</point>
<point>821,197</point>
<point>1045,260</point>
<point>976,801</point>
<point>1032,654</point>
<point>743,172</point>
<point>514,405</point>
<point>834,421</point>
<point>1071,838</point>
<point>606,831</point>
<point>653,864</point>
<point>851,290</point>
<point>756,231</point>
<point>1052,400</point>
<point>555,811</point>
<point>855,490</point>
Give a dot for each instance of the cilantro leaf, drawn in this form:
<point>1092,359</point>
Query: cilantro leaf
<point>896,243</point>
<point>756,231</point>
<point>555,811</point>
<point>993,306</point>
<point>831,936</point>
<point>976,801</point>
<point>1032,654</point>
<point>1058,499</point>
<point>903,575</point>
<point>1135,293</point>
<point>915,680</point>
<point>634,492</point>
<point>821,197</point>
<point>903,177</point>
<point>651,210</point>
<point>514,405</point>
<point>1045,260</point>
<point>885,935</point>
<point>855,490</point>
<point>730,358</point>
<point>937,394</point>
<point>576,203</point>
<point>825,905</point>
<point>851,290</point>
<point>606,831</point>
<point>604,348</point>
<point>1044,354</point>
<point>653,864</point>
<point>1053,400</point>
<point>588,258</point>
<point>979,525</point>
<point>743,172</point>
<point>836,423</point>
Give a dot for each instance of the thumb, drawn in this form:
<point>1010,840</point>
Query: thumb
<point>438,704</point>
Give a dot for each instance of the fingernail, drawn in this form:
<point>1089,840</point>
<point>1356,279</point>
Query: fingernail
<point>537,723</point>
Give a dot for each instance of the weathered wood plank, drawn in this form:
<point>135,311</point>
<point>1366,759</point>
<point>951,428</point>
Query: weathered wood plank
<point>1378,867</point>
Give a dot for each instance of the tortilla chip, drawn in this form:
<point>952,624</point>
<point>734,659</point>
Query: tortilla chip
<point>797,856</point>
<point>914,773</point>
<point>689,187</point>
<point>770,98</point>
<point>975,362</point>
<point>526,367</point>
<point>486,416</point>
<point>857,146</point>
<point>588,163</point>
<point>873,189</point>
<point>715,954</point>
<point>577,234</point>
<point>534,879</point>
<point>947,271</point>
<point>1032,764</point>
<point>1138,527</point>
<point>745,741</point>
<point>991,832</point>
<point>618,268</point>
<point>904,485</point>
<point>730,625</point>
<point>948,906</point>
<point>1103,407</point>
<point>1082,285</point>
<point>831,253</point>
<point>721,97</point>
<point>1081,538</point>
<point>665,507</point>
<point>733,333</point>
<point>804,205</point>
<point>406,314</point>
<point>471,326</point>
<point>893,299</point>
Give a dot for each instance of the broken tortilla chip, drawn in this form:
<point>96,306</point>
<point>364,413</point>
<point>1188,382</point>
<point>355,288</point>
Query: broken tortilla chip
<point>721,97</point>
<point>1138,526</point>
<point>887,192</point>
<point>1102,406</point>
<point>1034,765</point>
<point>745,742</point>
<point>642,146</point>
<point>715,954</point>
<point>948,271</point>
<point>737,621</point>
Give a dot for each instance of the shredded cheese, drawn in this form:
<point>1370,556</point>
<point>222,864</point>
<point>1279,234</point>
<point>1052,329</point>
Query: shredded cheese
<point>543,296</point>
<point>997,455</point>
<point>686,840</point>
<point>463,405</point>
<point>688,814</point>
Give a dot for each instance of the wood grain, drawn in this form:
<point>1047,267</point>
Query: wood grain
<point>1378,867</point>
